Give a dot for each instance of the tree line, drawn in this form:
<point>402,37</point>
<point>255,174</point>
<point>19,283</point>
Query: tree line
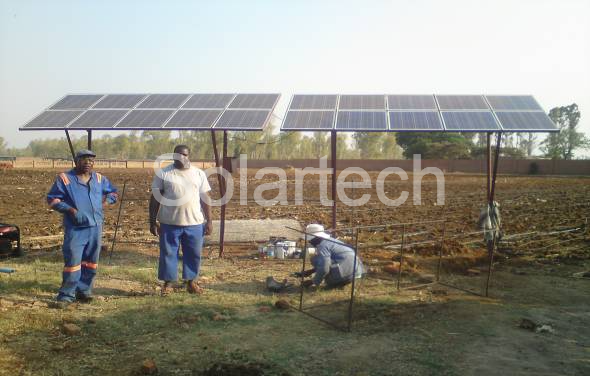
<point>298,145</point>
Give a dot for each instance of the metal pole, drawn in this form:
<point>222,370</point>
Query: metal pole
<point>118,221</point>
<point>333,148</point>
<point>303,272</point>
<point>70,143</point>
<point>351,303</point>
<point>401,257</point>
<point>89,140</point>
<point>223,205</point>
<point>489,164</point>
<point>492,243</point>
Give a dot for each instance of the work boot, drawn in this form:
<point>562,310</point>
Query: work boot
<point>166,288</point>
<point>193,287</point>
<point>83,298</point>
<point>60,304</point>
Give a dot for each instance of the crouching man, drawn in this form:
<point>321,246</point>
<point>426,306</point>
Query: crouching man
<point>79,195</point>
<point>334,261</point>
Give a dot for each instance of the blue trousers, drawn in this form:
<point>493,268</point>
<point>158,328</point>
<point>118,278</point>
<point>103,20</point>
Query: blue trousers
<point>81,250</point>
<point>171,238</point>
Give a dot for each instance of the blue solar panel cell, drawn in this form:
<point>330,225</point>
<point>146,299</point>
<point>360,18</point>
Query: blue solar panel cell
<point>411,102</point>
<point>309,120</point>
<point>254,101</point>
<point>201,119</point>
<point>164,101</point>
<point>53,119</point>
<point>362,121</point>
<point>526,121</point>
<point>98,119</point>
<point>362,102</point>
<point>415,121</point>
<point>120,101</point>
<point>513,102</point>
<point>469,121</point>
<point>145,119</point>
<point>461,102</point>
<point>209,101</point>
<point>314,102</point>
<point>76,102</point>
<point>243,120</point>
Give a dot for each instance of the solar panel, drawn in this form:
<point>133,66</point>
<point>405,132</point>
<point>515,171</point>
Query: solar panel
<point>361,121</point>
<point>526,121</point>
<point>53,119</point>
<point>164,101</point>
<point>76,102</point>
<point>193,119</point>
<point>203,101</point>
<point>513,102</point>
<point>120,101</point>
<point>411,102</point>
<point>243,119</point>
<point>98,119</point>
<point>362,102</point>
<point>309,120</point>
<point>255,101</point>
<point>469,121</point>
<point>461,102</point>
<point>415,121</point>
<point>145,119</point>
<point>314,102</point>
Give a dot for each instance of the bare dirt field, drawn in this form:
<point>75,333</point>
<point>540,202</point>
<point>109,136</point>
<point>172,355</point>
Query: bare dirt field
<point>234,328</point>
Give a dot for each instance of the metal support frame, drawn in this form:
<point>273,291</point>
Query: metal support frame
<point>89,139</point>
<point>491,244</point>
<point>221,191</point>
<point>333,142</point>
<point>223,205</point>
<point>70,144</point>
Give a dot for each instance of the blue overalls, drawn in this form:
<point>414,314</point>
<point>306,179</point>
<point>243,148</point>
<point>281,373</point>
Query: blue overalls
<point>82,232</point>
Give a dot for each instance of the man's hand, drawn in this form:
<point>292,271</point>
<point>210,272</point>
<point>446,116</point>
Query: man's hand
<point>209,228</point>
<point>73,211</point>
<point>155,229</point>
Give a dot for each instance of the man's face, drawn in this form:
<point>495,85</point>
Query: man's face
<point>85,164</point>
<point>183,158</point>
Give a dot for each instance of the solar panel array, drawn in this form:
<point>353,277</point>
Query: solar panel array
<point>416,113</point>
<point>157,111</point>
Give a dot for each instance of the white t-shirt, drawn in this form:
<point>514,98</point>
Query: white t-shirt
<point>180,198</point>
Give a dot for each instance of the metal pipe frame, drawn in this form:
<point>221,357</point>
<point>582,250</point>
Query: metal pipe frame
<point>333,142</point>
<point>70,144</point>
<point>223,205</point>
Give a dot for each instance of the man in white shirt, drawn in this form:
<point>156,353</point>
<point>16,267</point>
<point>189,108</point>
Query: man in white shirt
<point>180,215</point>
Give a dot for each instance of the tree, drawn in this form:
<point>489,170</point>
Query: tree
<point>435,145</point>
<point>369,144</point>
<point>3,146</point>
<point>563,144</point>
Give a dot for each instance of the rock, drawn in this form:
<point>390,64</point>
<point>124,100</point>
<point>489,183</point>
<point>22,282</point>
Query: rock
<point>185,326</point>
<point>99,298</point>
<point>148,367</point>
<point>585,274</point>
<point>264,309</point>
<point>527,324</point>
<point>544,329</point>
<point>71,329</point>
<point>282,304</point>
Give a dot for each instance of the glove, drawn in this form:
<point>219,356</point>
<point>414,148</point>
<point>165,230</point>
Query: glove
<point>80,219</point>
<point>111,198</point>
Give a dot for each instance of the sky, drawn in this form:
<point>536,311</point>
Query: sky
<point>52,48</point>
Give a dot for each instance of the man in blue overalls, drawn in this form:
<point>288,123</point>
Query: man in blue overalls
<point>79,194</point>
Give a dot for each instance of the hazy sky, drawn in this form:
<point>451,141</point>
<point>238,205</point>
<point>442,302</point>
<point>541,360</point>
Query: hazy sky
<point>51,48</point>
